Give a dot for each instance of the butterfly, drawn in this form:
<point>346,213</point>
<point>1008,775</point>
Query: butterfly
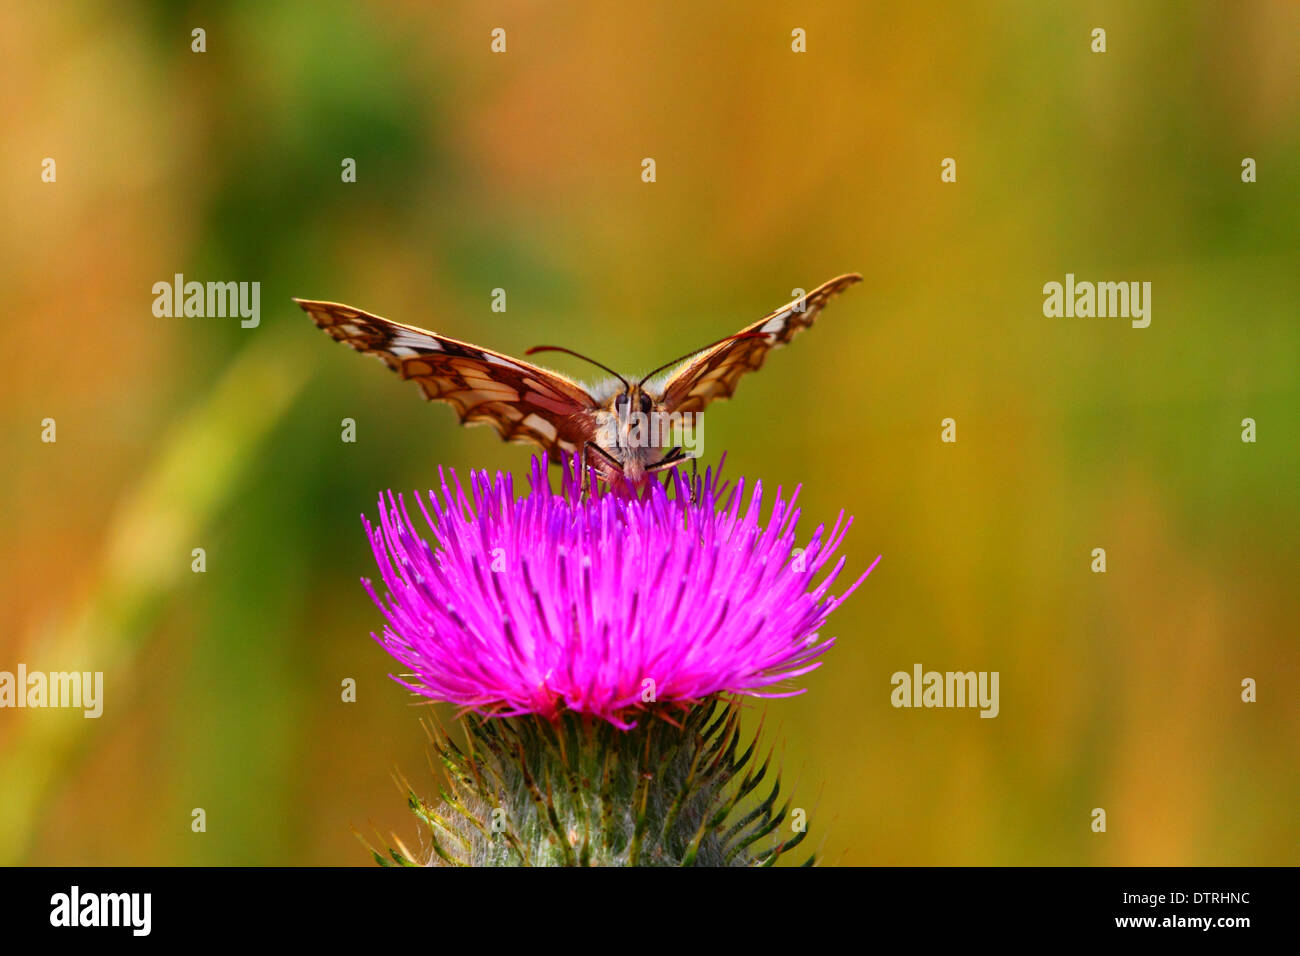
<point>611,425</point>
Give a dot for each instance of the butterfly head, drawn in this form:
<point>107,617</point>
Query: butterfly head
<point>632,400</point>
<point>634,428</point>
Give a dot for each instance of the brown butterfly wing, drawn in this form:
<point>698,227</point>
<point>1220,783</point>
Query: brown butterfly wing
<point>715,372</point>
<point>523,402</point>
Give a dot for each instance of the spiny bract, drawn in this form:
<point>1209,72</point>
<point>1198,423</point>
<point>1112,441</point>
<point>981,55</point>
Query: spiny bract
<point>579,792</point>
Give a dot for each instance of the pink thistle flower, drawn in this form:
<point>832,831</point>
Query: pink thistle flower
<point>602,604</point>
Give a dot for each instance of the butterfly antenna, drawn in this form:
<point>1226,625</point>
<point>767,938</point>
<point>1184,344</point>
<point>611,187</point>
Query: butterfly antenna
<point>702,348</point>
<point>558,348</point>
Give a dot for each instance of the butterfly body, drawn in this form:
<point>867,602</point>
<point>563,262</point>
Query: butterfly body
<point>627,429</point>
<point>622,428</point>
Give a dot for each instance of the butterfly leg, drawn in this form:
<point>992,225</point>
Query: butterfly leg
<point>610,459</point>
<point>582,463</point>
<point>674,457</point>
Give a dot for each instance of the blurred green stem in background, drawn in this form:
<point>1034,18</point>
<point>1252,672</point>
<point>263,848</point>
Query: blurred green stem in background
<point>147,548</point>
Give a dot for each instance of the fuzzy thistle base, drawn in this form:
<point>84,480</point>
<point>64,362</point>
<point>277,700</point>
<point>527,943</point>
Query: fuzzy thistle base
<point>579,792</point>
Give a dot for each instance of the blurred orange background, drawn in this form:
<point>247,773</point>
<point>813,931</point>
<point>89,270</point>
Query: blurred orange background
<point>775,170</point>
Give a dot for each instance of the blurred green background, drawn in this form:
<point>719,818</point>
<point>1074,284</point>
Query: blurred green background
<point>774,170</point>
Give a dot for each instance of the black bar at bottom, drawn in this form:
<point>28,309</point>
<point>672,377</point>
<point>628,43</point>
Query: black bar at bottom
<point>418,910</point>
